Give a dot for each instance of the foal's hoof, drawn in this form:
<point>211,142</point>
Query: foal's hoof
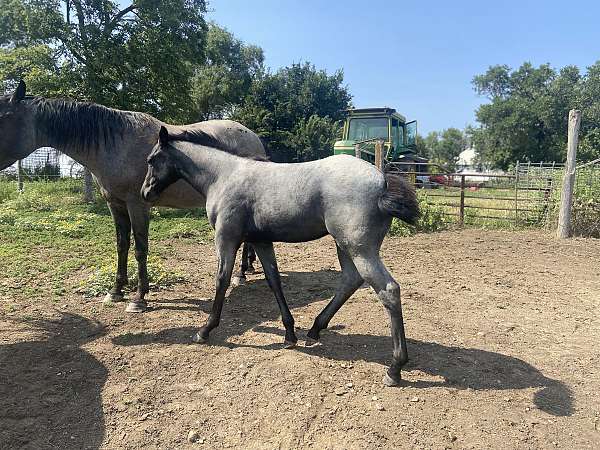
<point>238,281</point>
<point>137,307</point>
<point>110,298</point>
<point>289,344</point>
<point>199,339</point>
<point>250,270</point>
<point>310,342</point>
<point>392,382</point>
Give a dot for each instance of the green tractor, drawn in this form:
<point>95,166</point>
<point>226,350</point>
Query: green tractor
<point>364,127</point>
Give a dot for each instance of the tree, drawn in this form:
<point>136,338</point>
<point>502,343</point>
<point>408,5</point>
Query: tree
<point>280,108</point>
<point>220,85</point>
<point>139,57</point>
<point>526,118</point>
<point>443,147</point>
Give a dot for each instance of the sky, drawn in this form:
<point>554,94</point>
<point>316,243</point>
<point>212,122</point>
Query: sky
<point>417,56</point>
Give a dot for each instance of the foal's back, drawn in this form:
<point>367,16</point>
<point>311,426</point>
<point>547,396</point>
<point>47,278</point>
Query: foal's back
<point>305,201</point>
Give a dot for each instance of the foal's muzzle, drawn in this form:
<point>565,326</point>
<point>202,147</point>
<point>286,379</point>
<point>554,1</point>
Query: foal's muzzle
<point>148,191</point>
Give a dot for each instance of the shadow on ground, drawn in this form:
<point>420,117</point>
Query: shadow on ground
<point>462,368</point>
<point>50,388</point>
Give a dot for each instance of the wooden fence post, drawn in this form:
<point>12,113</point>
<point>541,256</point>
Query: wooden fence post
<point>379,155</point>
<point>19,176</point>
<point>88,186</point>
<point>517,169</point>
<point>461,212</point>
<point>566,197</point>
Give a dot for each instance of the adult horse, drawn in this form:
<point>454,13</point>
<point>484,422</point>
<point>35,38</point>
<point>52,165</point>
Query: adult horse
<point>265,202</point>
<point>113,145</point>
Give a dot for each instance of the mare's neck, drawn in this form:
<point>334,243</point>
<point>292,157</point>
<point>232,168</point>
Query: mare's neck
<point>203,167</point>
<point>90,134</point>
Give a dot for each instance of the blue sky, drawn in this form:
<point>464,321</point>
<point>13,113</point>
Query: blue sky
<point>416,56</point>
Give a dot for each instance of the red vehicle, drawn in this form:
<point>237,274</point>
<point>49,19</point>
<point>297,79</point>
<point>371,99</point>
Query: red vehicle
<point>439,179</point>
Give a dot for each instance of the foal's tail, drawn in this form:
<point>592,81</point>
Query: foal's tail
<point>399,198</point>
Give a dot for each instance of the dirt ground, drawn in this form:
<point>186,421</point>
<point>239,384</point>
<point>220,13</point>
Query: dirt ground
<point>502,327</point>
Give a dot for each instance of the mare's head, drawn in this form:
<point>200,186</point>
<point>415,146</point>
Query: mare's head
<point>14,128</point>
<point>162,171</point>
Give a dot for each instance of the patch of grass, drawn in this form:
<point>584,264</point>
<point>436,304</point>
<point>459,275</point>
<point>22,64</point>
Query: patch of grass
<point>48,236</point>
<point>431,219</point>
<point>101,281</point>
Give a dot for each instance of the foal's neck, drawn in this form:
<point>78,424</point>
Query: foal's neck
<point>201,166</point>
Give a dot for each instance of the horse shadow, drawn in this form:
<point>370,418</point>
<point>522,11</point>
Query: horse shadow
<point>460,368</point>
<point>50,388</point>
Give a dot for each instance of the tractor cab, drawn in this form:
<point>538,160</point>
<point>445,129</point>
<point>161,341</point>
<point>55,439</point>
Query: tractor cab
<point>365,126</point>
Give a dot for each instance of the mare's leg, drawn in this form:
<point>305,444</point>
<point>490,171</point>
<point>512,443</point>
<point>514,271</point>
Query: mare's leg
<point>251,259</point>
<point>348,284</point>
<point>240,278</point>
<point>140,222</point>
<point>226,250</point>
<point>123,234</point>
<point>373,271</point>
<point>266,254</point>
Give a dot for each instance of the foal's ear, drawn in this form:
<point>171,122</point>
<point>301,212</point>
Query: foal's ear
<point>163,136</point>
<point>19,93</point>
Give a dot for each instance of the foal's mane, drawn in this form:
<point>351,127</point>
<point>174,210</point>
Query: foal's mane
<point>199,137</point>
<point>87,125</point>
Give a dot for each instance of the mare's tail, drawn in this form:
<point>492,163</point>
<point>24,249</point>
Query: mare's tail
<point>399,198</point>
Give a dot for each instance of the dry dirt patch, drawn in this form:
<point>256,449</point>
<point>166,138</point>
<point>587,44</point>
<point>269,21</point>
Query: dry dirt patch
<point>503,330</point>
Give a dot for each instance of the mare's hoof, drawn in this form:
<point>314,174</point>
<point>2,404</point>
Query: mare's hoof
<point>112,298</point>
<point>238,281</point>
<point>198,339</point>
<point>310,342</point>
<point>136,307</point>
<point>289,344</point>
<point>392,382</point>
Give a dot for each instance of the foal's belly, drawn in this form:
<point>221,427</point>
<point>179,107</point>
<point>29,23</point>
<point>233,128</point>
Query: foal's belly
<point>286,232</point>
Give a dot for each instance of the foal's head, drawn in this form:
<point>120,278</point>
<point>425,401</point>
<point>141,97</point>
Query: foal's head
<point>162,171</point>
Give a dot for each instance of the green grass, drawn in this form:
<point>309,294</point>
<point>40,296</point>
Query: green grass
<point>52,242</point>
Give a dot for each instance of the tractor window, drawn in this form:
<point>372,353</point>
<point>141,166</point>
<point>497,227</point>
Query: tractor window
<point>368,128</point>
<point>397,134</point>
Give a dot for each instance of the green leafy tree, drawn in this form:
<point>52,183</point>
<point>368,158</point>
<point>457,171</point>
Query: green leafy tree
<point>280,108</point>
<point>526,118</point>
<point>443,147</point>
<point>221,84</point>
<point>140,56</point>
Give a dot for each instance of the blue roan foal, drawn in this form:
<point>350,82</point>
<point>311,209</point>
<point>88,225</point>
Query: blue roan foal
<point>263,202</point>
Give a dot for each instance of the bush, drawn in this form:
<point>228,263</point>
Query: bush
<point>431,219</point>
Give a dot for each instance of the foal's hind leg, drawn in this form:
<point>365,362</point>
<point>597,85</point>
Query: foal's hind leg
<point>266,254</point>
<point>374,272</point>
<point>348,284</point>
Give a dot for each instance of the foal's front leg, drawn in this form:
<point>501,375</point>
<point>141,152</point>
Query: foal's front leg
<point>266,254</point>
<point>226,250</point>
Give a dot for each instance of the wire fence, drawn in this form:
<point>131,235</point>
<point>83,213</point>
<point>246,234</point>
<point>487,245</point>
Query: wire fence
<point>528,195</point>
<point>44,164</point>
